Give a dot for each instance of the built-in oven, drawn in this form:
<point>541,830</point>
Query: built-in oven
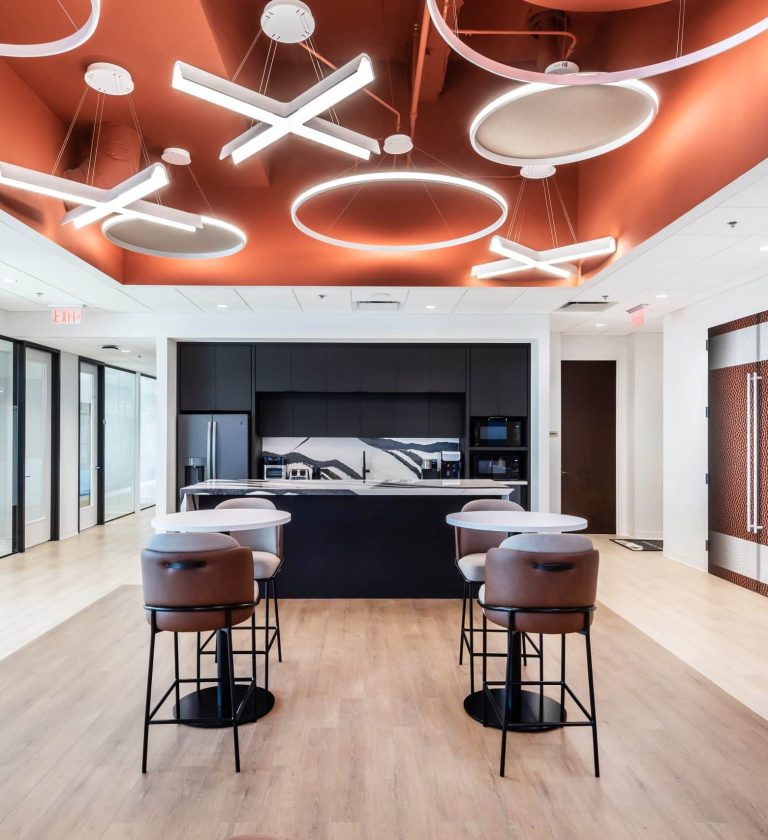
<point>497,431</point>
<point>497,466</point>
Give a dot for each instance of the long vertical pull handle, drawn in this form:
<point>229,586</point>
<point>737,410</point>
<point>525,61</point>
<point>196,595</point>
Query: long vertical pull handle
<point>756,453</point>
<point>749,453</point>
<point>215,472</point>
<point>209,450</point>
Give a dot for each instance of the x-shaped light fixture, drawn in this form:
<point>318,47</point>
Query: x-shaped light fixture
<point>277,119</point>
<point>95,203</point>
<point>555,261</point>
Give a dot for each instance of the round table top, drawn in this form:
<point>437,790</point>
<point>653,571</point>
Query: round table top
<point>516,521</point>
<point>228,519</point>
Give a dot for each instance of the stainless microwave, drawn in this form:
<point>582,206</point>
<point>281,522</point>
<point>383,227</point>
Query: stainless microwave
<point>497,431</point>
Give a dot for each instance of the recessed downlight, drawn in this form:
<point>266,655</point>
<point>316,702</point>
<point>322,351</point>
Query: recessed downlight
<point>599,325</point>
<point>430,306</point>
<point>222,306</point>
<point>764,248</point>
<point>10,280</point>
<point>662,296</point>
<point>124,350</point>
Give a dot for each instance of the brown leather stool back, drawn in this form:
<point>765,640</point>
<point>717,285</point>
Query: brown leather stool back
<point>260,539</point>
<point>545,571</point>
<point>196,570</point>
<point>470,541</point>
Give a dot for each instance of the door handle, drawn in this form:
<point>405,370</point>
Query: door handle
<point>215,437</point>
<point>563,472</point>
<point>756,452</point>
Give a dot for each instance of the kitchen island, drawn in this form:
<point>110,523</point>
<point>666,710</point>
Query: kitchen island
<point>363,539</point>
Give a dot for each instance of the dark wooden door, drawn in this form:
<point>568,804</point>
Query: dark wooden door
<point>588,455</point>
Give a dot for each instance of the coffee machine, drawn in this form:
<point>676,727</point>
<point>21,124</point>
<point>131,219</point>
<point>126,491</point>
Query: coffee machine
<point>450,465</point>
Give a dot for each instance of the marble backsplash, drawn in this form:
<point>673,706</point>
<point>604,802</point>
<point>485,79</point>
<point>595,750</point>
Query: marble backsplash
<point>388,459</point>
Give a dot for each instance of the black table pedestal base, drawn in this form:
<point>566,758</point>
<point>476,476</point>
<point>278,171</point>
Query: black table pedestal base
<point>531,711</point>
<point>205,706</point>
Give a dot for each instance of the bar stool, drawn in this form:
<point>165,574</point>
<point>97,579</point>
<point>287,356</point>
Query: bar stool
<point>547,584</point>
<point>471,548</point>
<point>266,546</point>
<point>195,583</point>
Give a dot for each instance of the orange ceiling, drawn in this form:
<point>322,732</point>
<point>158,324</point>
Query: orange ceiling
<point>700,141</point>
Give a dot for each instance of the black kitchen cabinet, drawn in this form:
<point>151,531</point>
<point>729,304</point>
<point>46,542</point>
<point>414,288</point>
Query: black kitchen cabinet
<point>214,377</point>
<point>273,367</point>
<point>342,368</point>
<point>308,367</point>
<point>377,368</point>
<point>448,369</point>
<point>377,416</point>
<point>411,417</point>
<point>310,415</point>
<point>233,377</point>
<point>344,415</point>
<point>499,380</point>
<point>412,368</point>
<point>446,417</point>
<point>514,385</point>
<point>274,414</point>
<point>197,377</point>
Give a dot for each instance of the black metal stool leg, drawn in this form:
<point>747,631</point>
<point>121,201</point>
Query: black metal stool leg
<point>471,651</point>
<point>176,673</point>
<point>592,702</point>
<point>253,644</point>
<point>485,669</point>
<point>277,622</point>
<point>562,677</point>
<point>463,625</point>
<point>232,700</point>
<point>199,642</point>
<point>507,690</point>
<point>266,635</point>
<point>149,695</point>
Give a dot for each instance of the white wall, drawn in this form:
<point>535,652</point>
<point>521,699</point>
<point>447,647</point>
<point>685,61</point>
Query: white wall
<point>685,424</point>
<point>69,481</point>
<point>638,360</point>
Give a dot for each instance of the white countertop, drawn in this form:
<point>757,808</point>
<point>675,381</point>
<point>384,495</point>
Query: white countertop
<point>351,487</point>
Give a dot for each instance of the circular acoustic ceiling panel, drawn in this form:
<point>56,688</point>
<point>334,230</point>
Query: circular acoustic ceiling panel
<point>597,5</point>
<point>545,125</point>
<point>214,239</point>
<point>519,74</point>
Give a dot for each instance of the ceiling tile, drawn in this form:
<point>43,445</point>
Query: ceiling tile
<point>437,299</point>
<point>270,299</point>
<point>317,299</point>
<point>487,301</point>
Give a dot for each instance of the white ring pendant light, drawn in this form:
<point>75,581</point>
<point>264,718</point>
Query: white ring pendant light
<point>395,177</point>
<point>547,125</point>
<point>62,45</point>
<point>518,74</point>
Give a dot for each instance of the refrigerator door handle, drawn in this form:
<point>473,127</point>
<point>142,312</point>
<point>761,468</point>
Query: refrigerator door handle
<point>209,450</point>
<point>215,469</point>
<point>756,453</point>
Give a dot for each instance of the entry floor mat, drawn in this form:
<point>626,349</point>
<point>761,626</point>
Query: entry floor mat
<point>641,545</point>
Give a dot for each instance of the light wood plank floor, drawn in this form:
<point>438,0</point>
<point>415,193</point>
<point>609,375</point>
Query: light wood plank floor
<point>369,739</point>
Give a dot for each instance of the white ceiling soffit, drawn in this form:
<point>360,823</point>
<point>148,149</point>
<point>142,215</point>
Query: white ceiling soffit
<point>140,356</point>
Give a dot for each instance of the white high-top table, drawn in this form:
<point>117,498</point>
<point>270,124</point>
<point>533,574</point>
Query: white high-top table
<point>212,704</point>
<point>525,707</point>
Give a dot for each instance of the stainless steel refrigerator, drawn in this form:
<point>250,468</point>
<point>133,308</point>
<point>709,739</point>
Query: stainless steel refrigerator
<point>738,462</point>
<point>218,443</point>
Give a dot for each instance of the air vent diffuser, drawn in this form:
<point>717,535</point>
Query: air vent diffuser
<point>377,305</point>
<point>586,306</point>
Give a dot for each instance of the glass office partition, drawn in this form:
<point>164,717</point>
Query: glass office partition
<point>8,472</point>
<point>89,444</point>
<point>147,441</point>
<point>38,406</point>
<point>120,418</point>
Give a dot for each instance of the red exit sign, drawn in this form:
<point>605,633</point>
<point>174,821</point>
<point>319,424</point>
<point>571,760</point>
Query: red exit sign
<point>66,315</point>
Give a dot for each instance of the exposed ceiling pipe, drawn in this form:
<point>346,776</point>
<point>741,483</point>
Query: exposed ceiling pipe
<point>419,68</point>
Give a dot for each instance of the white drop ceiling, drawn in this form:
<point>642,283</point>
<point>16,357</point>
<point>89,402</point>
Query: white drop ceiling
<point>697,256</point>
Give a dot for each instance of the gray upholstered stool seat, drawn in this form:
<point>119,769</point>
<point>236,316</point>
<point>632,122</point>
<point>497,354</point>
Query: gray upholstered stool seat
<point>265,564</point>
<point>472,566</point>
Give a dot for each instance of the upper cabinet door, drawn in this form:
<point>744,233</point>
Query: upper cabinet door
<point>412,368</point>
<point>342,368</point>
<point>308,367</point>
<point>273,367</point>
<point>448,369</point>
<point>197,377</point>
<point>233,377</point>
<point>377,369</point>
<point>484,381</point>
<point>514,373</point>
